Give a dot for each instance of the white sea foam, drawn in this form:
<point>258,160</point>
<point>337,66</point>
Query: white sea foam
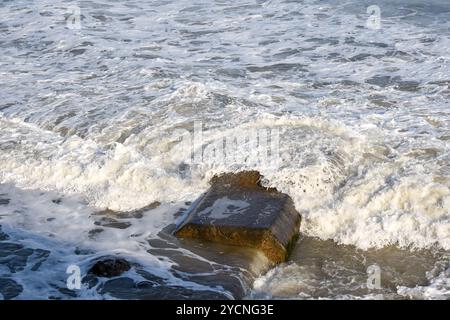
<point>352,193</point>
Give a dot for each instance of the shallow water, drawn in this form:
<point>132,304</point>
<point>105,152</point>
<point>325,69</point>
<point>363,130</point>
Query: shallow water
<point>92,116</point>
<point>321,269</point>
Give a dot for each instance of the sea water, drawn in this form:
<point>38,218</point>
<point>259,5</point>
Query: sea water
<point>94,94</point>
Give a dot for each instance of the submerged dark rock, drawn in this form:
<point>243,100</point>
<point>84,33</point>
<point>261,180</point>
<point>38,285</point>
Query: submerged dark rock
<point>111,267</point>
<point>237,210</point>
<point>3,236</point>
<point>212,284</point>
<point>126,288</point>
<point>9,288</point>
<point>221,269</point>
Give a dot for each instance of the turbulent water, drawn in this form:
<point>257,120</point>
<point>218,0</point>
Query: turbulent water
<point>91,107</point>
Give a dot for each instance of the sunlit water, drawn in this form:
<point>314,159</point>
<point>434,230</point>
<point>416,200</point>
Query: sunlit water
<point>90,110</point>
